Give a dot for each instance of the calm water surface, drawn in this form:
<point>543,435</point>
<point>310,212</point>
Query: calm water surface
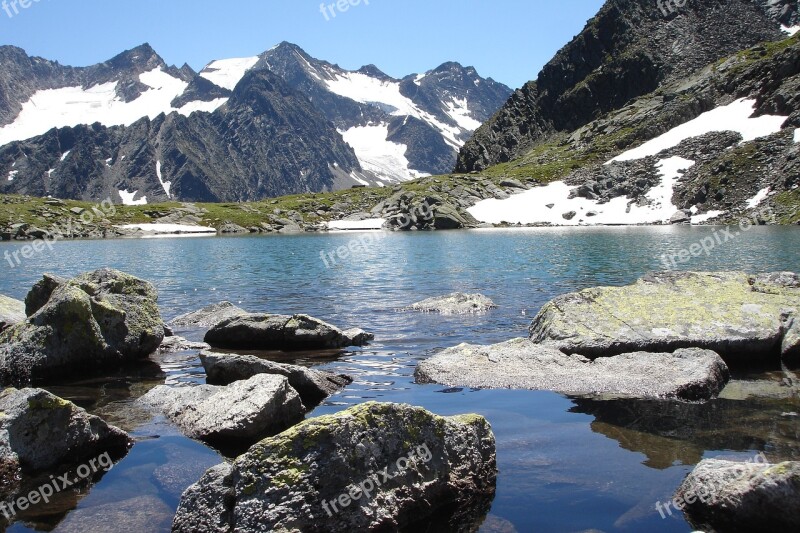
<point>565,464</point>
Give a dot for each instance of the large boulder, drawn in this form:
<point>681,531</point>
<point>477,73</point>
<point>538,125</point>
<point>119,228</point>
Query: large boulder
<point>12,312</point>
<point>40,432</point>
<point>743,318</point>
<point>372,467</point>
<point>241,413</point>
<point>208,316</point>
<point>729,496</point>
<point>96,320</point>
<point>281,332</point>
<point>312,385</point>
<point>688,374</point>
<point>456,303</point>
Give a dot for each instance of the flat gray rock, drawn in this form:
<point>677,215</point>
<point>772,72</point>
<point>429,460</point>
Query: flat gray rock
<point>281,332</point>
<point>457,303</point>
<point>242,412</point>
<point>312,385</point>
<point>729,496</point>
<point>303,479</point>
<point>11,312</point>
<point>688,374</point>
<point>209,316</point>
<point>40,432</point>
<point>745,319</point>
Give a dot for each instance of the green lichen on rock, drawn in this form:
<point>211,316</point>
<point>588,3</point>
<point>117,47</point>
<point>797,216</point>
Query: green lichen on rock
<point>282,482</point>
<point>731,313</point>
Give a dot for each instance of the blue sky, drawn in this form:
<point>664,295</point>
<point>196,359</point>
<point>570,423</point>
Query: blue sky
<point>508,40</point>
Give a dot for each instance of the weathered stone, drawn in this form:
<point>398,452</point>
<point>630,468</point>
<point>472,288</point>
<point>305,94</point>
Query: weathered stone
<point>289,482</point>
<point>277,332</point>
<point>312,385</point>
<point>208,316</point>
<point>743,318</point>
<point>729,496</point>
<point>40,432</point>
<point>680,217</point>
<point>456,303</point>
<point>242,412</point>
<point>688,374</point>
<point>96,320</point>
<point>12,312</point>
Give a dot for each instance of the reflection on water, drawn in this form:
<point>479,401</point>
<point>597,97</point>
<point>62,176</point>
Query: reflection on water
<point>565,464</point>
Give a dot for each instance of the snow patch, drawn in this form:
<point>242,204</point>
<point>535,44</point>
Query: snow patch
<point>203,107</point>
<point>732,117</point>
<point>386,94</point>
<point>699,219</point>
<point>384,158</point>
<point>12,174</point>
<point>166,229</point>
<point>128,198</point>
<point>227,73</point>
<point>758,198</point>
<point>797,135</point>
<point>165,184</point>
<point>791,30</point>
<point>458,110</point>
<point>65,155</point>
<point>351,225</point>
<point>549,203</point>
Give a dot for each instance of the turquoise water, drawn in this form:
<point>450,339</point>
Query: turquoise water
<point>565,464</point>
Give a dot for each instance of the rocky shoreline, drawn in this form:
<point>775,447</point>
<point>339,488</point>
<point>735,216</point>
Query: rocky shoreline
<point>319,474</point>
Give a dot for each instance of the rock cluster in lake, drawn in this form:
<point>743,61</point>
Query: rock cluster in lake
<point>106,319</point>
<point>372,467</point>
<point>670,335</point>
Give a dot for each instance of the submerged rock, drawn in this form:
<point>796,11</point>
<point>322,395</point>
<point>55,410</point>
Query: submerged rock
<point>175,344</point>
<point>456,303</point>
<point>743,318</point>
<point>281,332</point>
<point>12,312</point>
<point>729,496</point>
<point>688,374</point>
<point>96,320</point>
<point>209,316</point>
<point>242,412</point>
<point>312,385</point>
<point>371,467</point>
<point>40,432</point>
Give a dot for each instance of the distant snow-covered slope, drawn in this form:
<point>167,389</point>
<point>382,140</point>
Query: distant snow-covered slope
<point>70,106</point>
